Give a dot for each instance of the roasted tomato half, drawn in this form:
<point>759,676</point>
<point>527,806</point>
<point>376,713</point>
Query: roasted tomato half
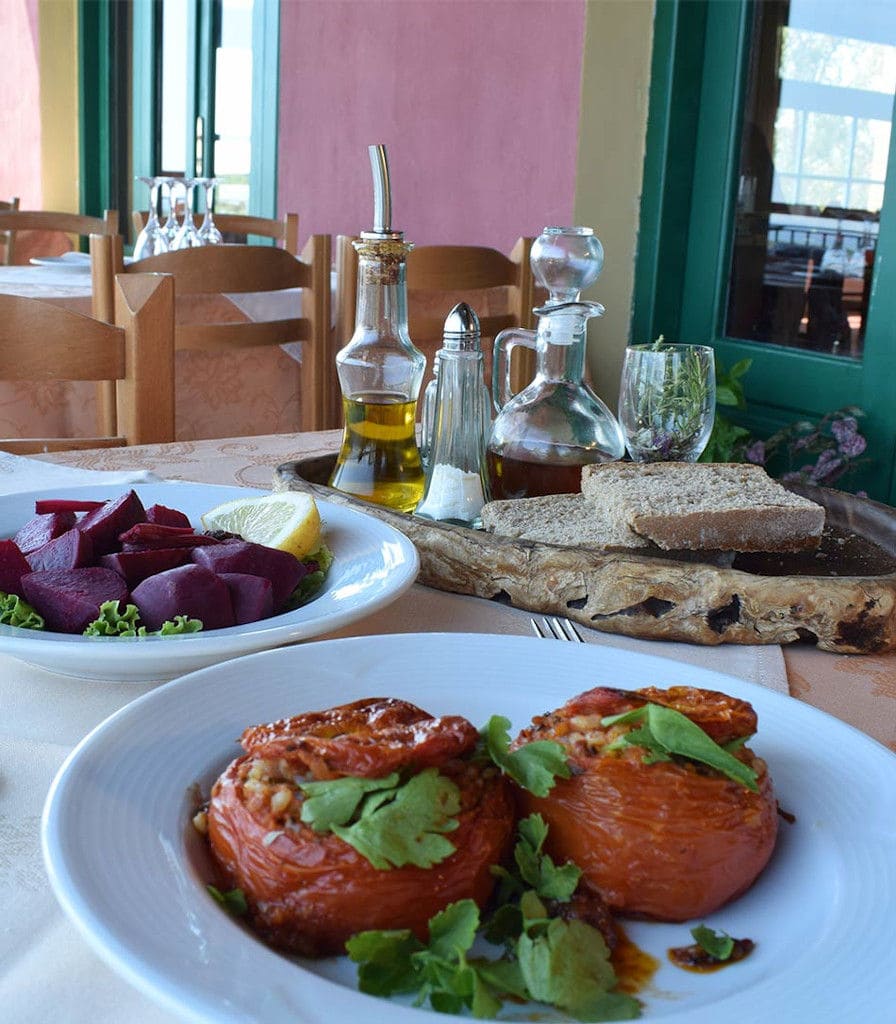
<point>669,840</point>
<point>308,892</point>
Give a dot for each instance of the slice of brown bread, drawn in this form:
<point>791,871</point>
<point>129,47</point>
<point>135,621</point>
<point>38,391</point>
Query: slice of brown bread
<point>566,519</point>
<point>731,506</point>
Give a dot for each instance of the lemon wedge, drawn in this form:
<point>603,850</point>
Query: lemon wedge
<point>289,521</point>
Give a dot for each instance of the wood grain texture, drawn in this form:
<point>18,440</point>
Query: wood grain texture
<point>660,598</point>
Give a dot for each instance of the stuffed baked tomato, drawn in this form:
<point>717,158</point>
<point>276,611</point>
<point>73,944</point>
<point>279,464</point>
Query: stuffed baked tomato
<point>660,834</point>
<point>370,815</point>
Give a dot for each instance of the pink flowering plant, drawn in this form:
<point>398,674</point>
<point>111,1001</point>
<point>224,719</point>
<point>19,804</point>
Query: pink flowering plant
<point>825,453</point>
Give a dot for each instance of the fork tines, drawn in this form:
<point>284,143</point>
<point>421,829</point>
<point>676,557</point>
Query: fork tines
<point>555,628</point>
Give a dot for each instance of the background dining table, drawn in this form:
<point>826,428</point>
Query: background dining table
<point>47,971</point>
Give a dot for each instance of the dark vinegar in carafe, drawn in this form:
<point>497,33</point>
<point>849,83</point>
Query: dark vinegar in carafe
<point>522,475</point>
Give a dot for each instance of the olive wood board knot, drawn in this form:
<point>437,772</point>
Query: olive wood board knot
<point>841,597</point>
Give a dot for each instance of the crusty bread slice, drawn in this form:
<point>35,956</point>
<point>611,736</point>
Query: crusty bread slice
<point>689,505</point>
<point>565,519</point>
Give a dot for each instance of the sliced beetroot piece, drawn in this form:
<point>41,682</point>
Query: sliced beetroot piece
<point>280,567</point>
<point>136,566</point>
<point>73,550</point>
<point>13,566</point>
<point>70,599</point>
<point>104,524</point>
<point>166,516</point>
<point>44,505</point>
<point>145,536</point>
<point>42,529</point>
<point>252,596</point>
<point>190,590</point>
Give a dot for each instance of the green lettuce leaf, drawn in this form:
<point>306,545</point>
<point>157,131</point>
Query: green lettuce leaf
<point>310,584</point>
<point>111,621</point>
<point>15,611</point>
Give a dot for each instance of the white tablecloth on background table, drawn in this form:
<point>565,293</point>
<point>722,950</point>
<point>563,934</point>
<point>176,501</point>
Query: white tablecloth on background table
<point>48,973</point>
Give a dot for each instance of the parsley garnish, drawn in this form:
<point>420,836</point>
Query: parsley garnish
<point>389,822</point>
<point>719,945</point>
<point>665,732</point>
<point>533,766</point>
<point>233,901</point>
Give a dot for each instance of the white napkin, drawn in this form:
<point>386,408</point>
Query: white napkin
<point>19,474</point>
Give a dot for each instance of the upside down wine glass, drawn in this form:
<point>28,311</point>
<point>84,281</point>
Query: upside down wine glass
<point>188,236</point>
<point>208,230</point>
<point>152,240</point>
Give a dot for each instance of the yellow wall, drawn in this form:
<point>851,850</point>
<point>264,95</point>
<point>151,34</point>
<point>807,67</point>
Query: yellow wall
<point>58,24</point>
<point>612,130</point>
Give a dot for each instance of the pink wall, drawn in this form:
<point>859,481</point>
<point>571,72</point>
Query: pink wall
<point>20,104</point>
<point>477,102</point>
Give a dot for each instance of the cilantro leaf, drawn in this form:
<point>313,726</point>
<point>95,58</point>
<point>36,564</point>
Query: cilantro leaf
<point>405,825</point>
<point>719,945</point>
<point>537,869</point>
<point>335,801</point>
<point>233,900</point>
<point>533,766</point>
<point>453,929</point>
<point>567,964</point>
<point>665,732</point>
<point>385,958</point>
<point>15,611</point>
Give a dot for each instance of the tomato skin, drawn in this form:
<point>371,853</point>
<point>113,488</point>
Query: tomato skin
<point>309,892</point>
<point>368,738</point>
<point>669,841</point>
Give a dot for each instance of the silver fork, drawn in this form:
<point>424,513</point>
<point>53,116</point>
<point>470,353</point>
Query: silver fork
<point>555,628</point>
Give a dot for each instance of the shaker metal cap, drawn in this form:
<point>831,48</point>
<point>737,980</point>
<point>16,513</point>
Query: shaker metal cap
<point>462,325</point>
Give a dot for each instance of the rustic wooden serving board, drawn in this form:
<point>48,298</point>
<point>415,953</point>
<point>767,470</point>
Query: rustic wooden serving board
<point>841,597</point>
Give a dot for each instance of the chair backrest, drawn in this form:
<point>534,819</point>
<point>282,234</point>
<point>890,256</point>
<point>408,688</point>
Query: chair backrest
<point>207,319</point>
<point>14,220</point>
<point>42,341</point>
<point>242,226</point>
<point>7,238</point>
<point>498,286</point>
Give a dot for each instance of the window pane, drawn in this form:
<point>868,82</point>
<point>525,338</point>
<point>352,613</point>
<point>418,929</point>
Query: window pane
<point>174,87</point>
<point>233,107</point>
<point>813,163</point>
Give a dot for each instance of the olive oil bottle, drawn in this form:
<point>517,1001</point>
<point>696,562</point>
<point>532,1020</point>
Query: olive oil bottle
<point>380,370</point>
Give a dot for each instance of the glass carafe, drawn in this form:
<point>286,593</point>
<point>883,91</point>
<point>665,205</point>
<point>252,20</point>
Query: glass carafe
<point>543,435</point>
<point>380,372</point>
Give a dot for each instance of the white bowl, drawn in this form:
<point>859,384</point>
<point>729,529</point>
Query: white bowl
<point>372,565</point>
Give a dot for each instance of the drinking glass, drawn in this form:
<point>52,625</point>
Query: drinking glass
<point>667,401</point>
<point>152,240</point>
<point>208,231</point>
<point>171,225</point>
<point>187,237</point>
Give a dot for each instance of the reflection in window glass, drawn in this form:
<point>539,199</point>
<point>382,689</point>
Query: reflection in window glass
<point>813,164</point>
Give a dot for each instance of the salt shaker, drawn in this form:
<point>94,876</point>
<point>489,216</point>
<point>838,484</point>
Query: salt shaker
<point>456,484</point>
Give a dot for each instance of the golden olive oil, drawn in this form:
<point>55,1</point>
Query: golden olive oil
<point>379,460</point>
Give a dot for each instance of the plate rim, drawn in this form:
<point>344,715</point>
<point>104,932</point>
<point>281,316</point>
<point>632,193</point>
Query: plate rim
<point>158,985</point>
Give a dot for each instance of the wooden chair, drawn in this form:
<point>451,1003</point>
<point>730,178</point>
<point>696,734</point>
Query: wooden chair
<point>7,238</point>
<point>209,274</point>
<point>41,341</point>
<point>499,287</point>
<point>15,220</point>
<point>285,230</point>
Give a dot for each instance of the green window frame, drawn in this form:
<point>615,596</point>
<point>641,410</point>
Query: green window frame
<point>699,69</point>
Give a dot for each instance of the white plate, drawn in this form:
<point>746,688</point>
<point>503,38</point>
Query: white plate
<point>129,869</point>
<point>373,564</point>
